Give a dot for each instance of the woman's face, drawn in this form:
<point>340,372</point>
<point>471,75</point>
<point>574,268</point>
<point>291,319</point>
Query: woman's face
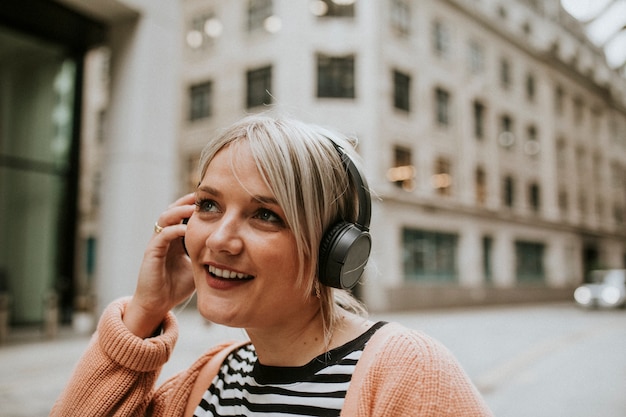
<point>243,254</point>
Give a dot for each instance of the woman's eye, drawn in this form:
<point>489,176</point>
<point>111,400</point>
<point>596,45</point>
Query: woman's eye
<point>206,206</point>
<point>268,216</point>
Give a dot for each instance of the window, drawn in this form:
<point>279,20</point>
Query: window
<point>200,98</point>
<point>442,178</point>
<point>505,74</point>
<point>481,186</point>
<point>442,107</point>
<point>530,87</point>
<point>534,198</point>
<point>559,99</point>
<point>506,137</point>
<point>561,156</point>
<point>531,146</point>
<point>258,12</point>
<point>527,28</point>
<point>429,256</point>
<point>333,8</point>
<point>487,245</point>
<point>508,193</point>
<point>335,76</point>
<point>401,91</point>
<point>476,57</point>
<point>259,87</point>
<point>401,16</point>
<point>502,12</point>
<point>101,125</point>
<point>402,174</point>
<point>529,261</point>
<point>479,120</point>
<point>441,39</point>
<point>563,201</point>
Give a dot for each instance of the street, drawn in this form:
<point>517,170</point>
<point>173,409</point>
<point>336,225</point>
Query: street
<point>537,360</point>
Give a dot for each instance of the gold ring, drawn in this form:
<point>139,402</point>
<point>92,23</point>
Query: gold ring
<point>157,228</point>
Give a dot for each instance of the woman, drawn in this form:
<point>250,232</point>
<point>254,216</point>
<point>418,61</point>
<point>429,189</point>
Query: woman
<point>255,252</point>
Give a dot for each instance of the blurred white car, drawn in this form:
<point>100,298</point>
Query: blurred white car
<point>607,289</point>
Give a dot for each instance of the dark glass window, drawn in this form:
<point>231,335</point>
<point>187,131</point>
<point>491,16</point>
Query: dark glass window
<point>505,74</point>
<point>559,100</point>
<point>530,87</point>
<point>481,186</point>
<point>200,98</point>
<point>534,197</point>
<point>479,120</point>
<point>259,87</point>
<point>487,248</point>
<point>335,76</point>
<point>529,261</point>
<point>506,137</point>
<point>509,191</point>
<point>401,91</point>
<point>429,256</point>
<point>442,107</point>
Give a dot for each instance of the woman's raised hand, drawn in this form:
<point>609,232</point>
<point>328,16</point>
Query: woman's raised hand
<point>165,278</point>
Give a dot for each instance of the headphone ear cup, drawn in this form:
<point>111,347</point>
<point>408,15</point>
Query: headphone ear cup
<point>343,254</point>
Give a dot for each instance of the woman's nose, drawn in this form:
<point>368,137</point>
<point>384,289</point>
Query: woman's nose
<point>225,236</point>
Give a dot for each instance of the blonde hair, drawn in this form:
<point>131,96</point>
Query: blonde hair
<point>302,168</point>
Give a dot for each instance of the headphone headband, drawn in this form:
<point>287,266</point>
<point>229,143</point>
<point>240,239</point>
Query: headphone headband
<point>362,189</point>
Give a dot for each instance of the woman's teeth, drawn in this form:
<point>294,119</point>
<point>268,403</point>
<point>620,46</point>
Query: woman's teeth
<point>226,274</point>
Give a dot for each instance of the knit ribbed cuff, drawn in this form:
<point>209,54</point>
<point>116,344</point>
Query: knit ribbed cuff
<point>129,350</point>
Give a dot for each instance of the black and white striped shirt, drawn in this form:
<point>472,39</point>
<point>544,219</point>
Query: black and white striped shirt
<point>244,387</point>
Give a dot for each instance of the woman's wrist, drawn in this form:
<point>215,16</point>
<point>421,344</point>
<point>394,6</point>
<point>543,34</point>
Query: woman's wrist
<point>142,323</point>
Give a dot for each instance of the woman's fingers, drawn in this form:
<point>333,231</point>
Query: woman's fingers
<point>178,211</point>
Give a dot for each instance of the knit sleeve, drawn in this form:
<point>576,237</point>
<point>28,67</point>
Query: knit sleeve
<point>117,373</point>
<point>415,375</point>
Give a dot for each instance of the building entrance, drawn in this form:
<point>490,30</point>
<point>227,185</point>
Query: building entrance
<point>38,86</point>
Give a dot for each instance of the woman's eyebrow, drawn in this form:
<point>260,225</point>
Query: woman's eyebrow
<point>209,190</point>
<point>265,200</point>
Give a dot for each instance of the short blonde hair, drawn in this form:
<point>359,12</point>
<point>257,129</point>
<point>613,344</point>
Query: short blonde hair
<point>301,166</point>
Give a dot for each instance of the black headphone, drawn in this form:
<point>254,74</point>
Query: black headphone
<point>345,247</point>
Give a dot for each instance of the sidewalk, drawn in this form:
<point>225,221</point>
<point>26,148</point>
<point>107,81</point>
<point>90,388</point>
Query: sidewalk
<point>529,360</point>
<point>33,370</point>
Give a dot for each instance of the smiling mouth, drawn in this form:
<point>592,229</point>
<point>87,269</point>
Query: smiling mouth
<point>226,274</point>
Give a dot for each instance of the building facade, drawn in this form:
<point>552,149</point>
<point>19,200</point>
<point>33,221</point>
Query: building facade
<point>493,133</point>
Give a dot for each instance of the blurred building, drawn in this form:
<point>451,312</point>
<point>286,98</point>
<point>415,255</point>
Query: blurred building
<point>64,172</point>
<point>493,132</point>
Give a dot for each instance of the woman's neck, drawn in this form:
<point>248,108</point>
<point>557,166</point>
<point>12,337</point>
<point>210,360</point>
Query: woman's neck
<point>297,342</point>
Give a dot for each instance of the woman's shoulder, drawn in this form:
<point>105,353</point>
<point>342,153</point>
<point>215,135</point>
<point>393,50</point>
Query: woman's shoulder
<point>395,342</point>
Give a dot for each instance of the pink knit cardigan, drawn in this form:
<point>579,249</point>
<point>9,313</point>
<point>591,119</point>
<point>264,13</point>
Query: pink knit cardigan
<point>401,373</point>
